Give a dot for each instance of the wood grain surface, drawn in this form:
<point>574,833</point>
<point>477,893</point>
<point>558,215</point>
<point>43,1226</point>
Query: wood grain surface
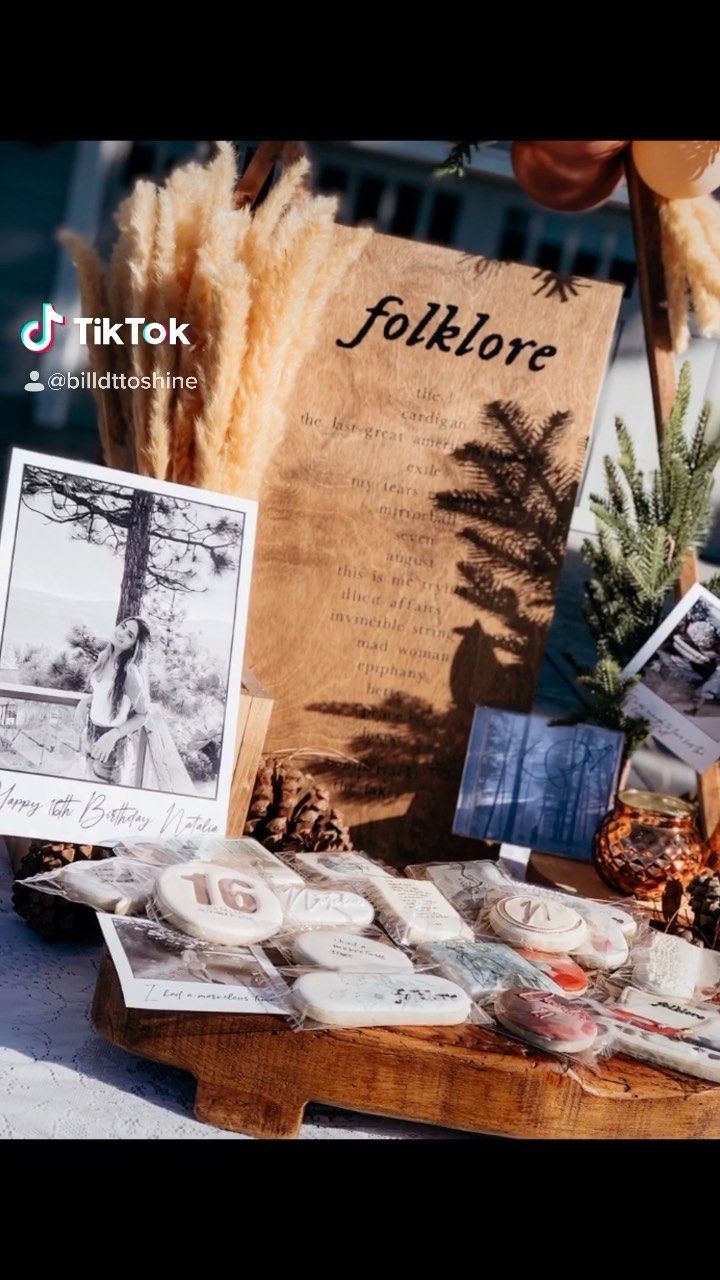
<point>255,1076</point>
<point>381,611</point>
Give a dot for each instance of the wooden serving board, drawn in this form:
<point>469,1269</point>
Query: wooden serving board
<point>255,1076</point>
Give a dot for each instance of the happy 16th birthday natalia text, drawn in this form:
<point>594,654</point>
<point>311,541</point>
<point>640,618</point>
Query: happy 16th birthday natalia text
<point>89,813</point>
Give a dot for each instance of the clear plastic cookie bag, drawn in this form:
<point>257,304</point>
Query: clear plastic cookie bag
<point>331,999</point>
<point>673,1034</point>
<point>414,911</point>
<point>485,965</point>
<point>575,1031</point>
<point>469,885</point>
<point>115,885</point>
<point>345,868</point>
<point>243,854</point>
<point>597,936</point>
<point>464,884</point>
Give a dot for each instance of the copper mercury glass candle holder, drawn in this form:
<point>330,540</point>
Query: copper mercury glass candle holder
<point>647,839</point>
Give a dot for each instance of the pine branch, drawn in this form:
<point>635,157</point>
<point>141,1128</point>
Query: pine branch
<point>458,158</point>
<point>645,529</point>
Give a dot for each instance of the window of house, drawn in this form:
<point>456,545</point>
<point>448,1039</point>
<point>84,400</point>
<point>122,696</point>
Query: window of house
<point>407,208</point>
<point>332,178</point>
<point>140,162</point>
<point>548,255</point>
<point>513,235</point>
<point>367,199</point>
<point>624,271</point>
<point>443,218</point>
<point>584,263</point>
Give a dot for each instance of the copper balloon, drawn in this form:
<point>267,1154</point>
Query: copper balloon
<point>581,150</point>
<point>566,186</point>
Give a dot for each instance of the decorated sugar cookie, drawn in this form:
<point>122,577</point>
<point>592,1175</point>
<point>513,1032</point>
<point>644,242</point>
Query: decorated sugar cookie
<point>605,947</point>
<point>539,923</point>
<point>311,908</point>
<point>380,1000</point>
<point>566,977</point>
<point>217,904</point>
<point>546,1021</point>
<point>336,949</point>
<point>415,911</point>
<point>482,966</point>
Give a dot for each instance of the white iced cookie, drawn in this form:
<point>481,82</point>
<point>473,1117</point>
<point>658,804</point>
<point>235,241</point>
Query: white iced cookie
<point>119,885</point>
<point>621,919</point>
<point>668,966</point>
<point>339,866</point>
<point>380,1000</point>
<point>415,911</point>
<point>339,950</point>
<point>217,904</point>
<point>308,908</point>
<point>540,923</point>
<point>605,947</point>
<point>464,884</point>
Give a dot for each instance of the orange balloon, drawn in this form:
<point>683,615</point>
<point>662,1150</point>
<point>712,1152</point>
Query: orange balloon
<point>678,170</point>
<point>563,185</point>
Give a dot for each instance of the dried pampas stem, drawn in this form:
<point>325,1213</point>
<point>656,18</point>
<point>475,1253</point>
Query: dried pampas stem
<point>250,286</point>
<point>113,436</point>
<point>691,257</point>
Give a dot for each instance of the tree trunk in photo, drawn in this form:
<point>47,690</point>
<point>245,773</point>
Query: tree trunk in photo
<point>137,550</point>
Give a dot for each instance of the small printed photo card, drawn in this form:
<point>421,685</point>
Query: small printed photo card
<point>537,785</point>
<point>679,689</point>
<point>124,602</point>
<point>161,970</point>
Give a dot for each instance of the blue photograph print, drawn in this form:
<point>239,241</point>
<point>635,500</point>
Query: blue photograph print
<point>541,786</point>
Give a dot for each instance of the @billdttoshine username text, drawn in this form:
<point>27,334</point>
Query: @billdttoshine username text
<point>92,381</point>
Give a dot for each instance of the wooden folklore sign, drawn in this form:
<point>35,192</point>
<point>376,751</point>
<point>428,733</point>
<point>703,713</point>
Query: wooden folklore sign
<point>414,519</point>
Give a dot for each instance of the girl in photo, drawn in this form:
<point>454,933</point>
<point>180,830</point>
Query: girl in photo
<point>119,701</point>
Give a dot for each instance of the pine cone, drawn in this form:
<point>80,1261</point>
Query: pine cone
<point>290,811</point>
<point>49,916</point>
<point>704,893</point>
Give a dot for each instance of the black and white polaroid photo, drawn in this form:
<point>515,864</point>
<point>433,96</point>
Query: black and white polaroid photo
<point>124,604</point>
<point>159,969</point>
<point>679,688</point>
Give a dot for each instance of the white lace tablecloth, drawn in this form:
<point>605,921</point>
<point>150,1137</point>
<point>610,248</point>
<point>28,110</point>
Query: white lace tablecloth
<point>59,1079</point>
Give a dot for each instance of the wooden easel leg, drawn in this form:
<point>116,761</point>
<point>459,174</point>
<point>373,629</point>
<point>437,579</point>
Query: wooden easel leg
<point>254,1115</point>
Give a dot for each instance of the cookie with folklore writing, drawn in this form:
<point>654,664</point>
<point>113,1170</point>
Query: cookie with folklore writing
<point>380,1000</point>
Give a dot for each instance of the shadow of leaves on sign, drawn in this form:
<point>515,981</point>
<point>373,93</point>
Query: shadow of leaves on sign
<point>516,506</point>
